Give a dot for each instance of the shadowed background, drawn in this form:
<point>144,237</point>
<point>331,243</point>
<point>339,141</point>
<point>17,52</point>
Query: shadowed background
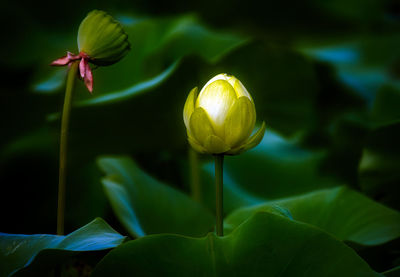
<point>324,76</point>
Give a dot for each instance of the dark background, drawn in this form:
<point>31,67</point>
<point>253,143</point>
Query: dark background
<point>324,76</point>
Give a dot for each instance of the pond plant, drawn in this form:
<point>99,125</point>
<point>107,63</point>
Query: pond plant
<point>101,41</point>
<point>219,121</point>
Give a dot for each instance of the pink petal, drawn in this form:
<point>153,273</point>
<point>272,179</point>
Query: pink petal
<point>65,60</point>
<point>82,67</point>
<point>88,77</point>
<point>72,56</point>
<point>61,61</point>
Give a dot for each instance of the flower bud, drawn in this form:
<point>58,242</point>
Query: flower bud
<point>102,38</point>
<point>221,118</point>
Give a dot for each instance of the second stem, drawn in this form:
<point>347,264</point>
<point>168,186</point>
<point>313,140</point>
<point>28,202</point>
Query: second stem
<point>219,185</point>
<point>62,178</point>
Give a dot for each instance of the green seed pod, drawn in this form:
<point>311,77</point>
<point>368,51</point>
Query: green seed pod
<point>102,38</point>
<point>221,118</point>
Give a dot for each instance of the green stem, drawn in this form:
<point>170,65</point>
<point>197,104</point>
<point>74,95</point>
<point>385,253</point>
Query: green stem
<point>219,184</point>
<point>194,176</point>
<point>63,146</point>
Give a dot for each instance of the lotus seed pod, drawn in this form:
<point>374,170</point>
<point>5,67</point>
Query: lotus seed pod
<point>102,38</point>
<point>101,41</point>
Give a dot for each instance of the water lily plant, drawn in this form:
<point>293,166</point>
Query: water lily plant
<point>219,121</point>
<point>101,41</point>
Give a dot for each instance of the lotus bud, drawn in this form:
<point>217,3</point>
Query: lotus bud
<point>221,118</point>
<point>101,41</point>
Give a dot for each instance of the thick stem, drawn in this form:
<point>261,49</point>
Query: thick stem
<point>194,176</point>
<point>63,146</point>
<point>219,184</point>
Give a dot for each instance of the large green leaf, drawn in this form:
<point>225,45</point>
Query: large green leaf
<point>147,206</point>
<point>266,245</point>
<point>345,213</point>
<point>21,251</point>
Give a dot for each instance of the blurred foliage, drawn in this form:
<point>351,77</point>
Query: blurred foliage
<point>146,206</point>
<point>379,166</point>
<point>324,76</point>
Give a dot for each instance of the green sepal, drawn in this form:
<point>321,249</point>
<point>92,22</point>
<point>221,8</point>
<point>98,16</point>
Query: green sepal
<point>189,106</point>
<point>215,145</point>
<point>252,142</point>
<point>195,145</point>
<point>200,125</point>
<point>102,38</point>
<point>239,122</point>
<point>255,139</point>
